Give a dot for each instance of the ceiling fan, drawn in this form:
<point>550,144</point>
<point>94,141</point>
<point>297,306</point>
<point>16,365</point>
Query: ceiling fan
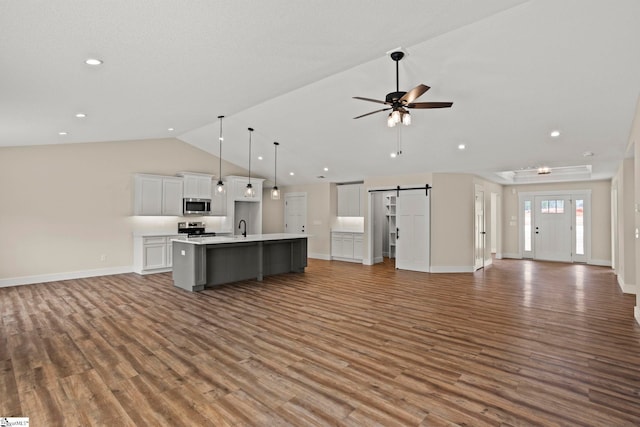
<point>399,102</point>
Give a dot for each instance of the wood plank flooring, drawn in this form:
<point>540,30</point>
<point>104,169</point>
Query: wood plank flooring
<point>520,344</point>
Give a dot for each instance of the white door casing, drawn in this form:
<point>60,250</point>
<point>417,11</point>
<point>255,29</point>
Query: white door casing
<point>413,226</point>
<point>479,229</point>
<point>295,212</point>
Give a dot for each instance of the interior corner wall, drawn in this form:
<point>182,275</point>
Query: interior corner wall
<point>628,252</point>
<point>62,207</point>
<point>452,222</point>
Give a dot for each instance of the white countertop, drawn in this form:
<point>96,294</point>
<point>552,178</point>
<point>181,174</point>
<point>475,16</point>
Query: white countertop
<point>166,233</point>
<point>337,230</point>
<point>239,239</point>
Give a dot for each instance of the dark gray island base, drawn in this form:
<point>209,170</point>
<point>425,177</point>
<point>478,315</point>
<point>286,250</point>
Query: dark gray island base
<point>210,261</point>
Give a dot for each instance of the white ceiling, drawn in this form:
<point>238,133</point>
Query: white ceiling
<point>514,69</point>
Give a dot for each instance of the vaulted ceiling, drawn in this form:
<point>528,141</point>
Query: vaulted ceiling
<point>515,70</point>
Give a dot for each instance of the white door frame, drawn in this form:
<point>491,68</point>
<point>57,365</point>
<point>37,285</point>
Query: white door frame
<point>297,194</point>
<point>480,237</point>
<point>573,194</point>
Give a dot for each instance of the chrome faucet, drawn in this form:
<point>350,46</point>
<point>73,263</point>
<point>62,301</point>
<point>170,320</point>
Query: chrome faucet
<point>244,233</point>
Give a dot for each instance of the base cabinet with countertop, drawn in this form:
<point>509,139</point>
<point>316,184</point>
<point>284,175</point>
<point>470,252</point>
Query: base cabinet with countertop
<point>346,246</point>
<point>153,253</point>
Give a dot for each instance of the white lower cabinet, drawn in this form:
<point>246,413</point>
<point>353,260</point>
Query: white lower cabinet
<point>152,254</point>
<point>346,246</point>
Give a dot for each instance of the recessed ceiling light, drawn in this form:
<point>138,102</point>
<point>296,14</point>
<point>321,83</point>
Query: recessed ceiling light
<point>259,157</point>
<point>555,133</point>
<point>62,133</point>
<point>461,146</point>
<point>587,153</point>
<point>171,129</point>
<point>81,115</point>
<point>326,169</point>
<point>93,61</point>
<point>393,155</point>
<point>291,173</point>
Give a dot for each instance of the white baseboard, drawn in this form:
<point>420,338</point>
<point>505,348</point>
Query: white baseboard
<point>378,259</point>
<point>42,278</point>
<point>325,257</point>
<point>636,313</point>
<point>627,288</point>
<point>511,255</point>
<point>498,255</point>
<point>488,262</point>
<point>359,261</point>
<point>452,269</point>
<point>602,262</point>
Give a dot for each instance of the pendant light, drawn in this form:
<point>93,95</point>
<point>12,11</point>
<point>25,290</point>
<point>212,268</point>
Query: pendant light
<point>249,191</point>
<point>220,184</point>
<point>275,193</point>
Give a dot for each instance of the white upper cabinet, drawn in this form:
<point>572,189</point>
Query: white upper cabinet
<point>172,196</point>
<point>349,200</point>
<point>157,195</point>
<point>238,185</point>
<point>196,185</point>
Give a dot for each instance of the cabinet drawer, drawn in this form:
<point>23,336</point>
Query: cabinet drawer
<point>155,240</point>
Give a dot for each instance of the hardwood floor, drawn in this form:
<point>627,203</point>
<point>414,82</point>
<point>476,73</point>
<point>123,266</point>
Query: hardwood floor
<point>522,343</point>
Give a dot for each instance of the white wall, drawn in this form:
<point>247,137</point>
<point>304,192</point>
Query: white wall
<point>64,206</point>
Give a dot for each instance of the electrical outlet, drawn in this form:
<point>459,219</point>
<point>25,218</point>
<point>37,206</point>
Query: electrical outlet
<point>183,252</point>
<point>103,257</point>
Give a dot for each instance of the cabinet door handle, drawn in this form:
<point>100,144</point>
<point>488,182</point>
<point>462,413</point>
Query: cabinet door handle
<point>397,233</point>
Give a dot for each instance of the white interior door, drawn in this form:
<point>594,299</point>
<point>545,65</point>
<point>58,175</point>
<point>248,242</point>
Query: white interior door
<point>552,228</point>
<point>413,231</point>
<point>295,212</point>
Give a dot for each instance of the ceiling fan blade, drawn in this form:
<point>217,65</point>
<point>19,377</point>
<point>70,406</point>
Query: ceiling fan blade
<point>370,100</point>
<point>414,93</point>
<point>430,105</point>
<point>373,112</point>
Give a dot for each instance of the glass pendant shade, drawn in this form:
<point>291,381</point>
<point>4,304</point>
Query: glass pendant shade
<point>249,191</point>
<point>396,116</point>
<point>220,187</point>
<point>406,118</point>
<point>390,122</point>
<point>275,193</point>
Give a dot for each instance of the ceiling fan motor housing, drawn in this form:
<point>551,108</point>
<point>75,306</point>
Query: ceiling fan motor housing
<point>394,96</point>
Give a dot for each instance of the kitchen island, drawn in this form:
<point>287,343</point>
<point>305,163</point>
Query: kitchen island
<point>210,261</point>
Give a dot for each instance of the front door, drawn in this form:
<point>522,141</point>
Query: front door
<point>413,236</point>
<point>552,228</point>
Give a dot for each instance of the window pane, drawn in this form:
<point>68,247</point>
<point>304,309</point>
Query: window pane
<point>527,225</point>
<point>552,206</point>
<point>544,206</point>
<point>560,206</point>
<point>579,227</point>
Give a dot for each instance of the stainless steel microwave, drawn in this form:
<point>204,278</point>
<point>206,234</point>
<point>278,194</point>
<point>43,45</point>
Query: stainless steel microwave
<point>196,206</point>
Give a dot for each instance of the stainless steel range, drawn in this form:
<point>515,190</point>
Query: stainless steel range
<point>193,229</point>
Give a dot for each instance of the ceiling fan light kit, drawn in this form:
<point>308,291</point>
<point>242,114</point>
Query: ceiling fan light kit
<point>399,102</point>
